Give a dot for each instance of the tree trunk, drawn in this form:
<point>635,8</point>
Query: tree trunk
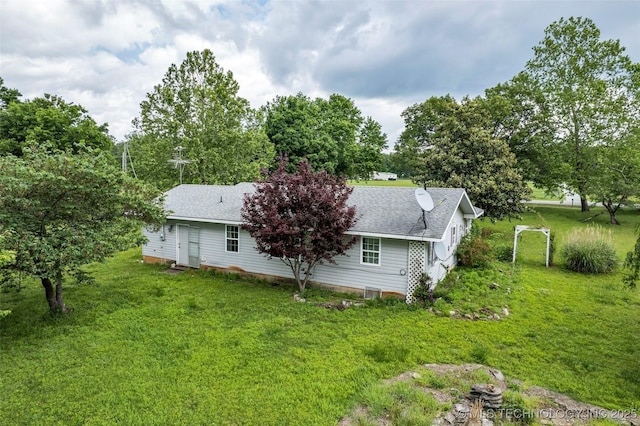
<point>612,213</point>
<point>584,204</point>
<point>54,296</point>
<point>614,221</point>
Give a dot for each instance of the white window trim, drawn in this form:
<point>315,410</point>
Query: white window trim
<point>362,262</point>
<point>453,239</point>
<point>227,239</point>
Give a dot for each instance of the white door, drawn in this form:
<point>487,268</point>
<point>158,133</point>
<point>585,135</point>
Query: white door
<point>188,246</point>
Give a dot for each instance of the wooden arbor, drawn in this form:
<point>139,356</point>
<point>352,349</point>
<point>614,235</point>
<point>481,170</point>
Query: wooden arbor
<point>520,228</point>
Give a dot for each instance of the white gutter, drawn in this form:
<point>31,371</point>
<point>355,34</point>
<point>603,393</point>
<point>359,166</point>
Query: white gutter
<point>362,234</point>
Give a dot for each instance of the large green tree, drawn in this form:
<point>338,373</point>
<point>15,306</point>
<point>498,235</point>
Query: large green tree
<point>197,107</point>
<point>454,146</point>
<point>62,211</point>
<point>330,133</point>
<point>583,92</point>
<point>615,177</point>
<point>518,117</point>
<point>47,120</point>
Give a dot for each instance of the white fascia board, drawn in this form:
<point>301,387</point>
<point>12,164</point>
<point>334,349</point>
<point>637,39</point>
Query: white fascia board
<point>203,220</point>
<point>362,234</point>
<point>391,236</point>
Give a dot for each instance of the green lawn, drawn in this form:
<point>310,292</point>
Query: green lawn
<point>398,182</point>
<point>541,194</point>
<point>148,348</point>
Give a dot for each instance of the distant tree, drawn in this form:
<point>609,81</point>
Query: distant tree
<point>585,94</point>
<point>368,156</point>
<point>518,116</point>
<point>7,95</point>
<point>615,176</point>
<point>198,108</point>
<point>49,121</point>
<point>455,147</point>
<point>300,218</point>
<point>62,211</point>
<point>419,122</point>
<point>329,133</point>
<point>294,125</point>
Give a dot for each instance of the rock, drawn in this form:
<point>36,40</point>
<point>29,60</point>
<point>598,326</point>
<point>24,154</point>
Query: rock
<point>489,394</point>
<point>493,286</point>
<point>460,414</point>
<point>415,375</point>
<point>497,374</point>
<point>495,317</point>
<point>468,316</point>
<point>487,422</point>
<point>505,311</point>
<point>452,313</point>
<point>297,298</point>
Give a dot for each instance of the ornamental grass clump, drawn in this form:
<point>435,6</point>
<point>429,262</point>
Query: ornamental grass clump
<point>590,250</point>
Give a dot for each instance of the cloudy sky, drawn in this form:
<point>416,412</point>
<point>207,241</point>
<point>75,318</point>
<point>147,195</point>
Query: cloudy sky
<point>385,55</point>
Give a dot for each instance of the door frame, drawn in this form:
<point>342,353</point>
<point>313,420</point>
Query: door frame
<point>183,256</point>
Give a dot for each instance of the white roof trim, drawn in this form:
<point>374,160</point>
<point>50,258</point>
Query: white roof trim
<point>392,236</point>
<point>204,220</point>
<point>362,234</point>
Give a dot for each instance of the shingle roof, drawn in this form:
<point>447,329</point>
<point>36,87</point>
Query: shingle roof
<point>384,211</point>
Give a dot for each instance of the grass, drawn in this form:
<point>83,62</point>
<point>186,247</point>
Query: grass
<point>145,347</point>
<point>398,182</point>
<point>542,194</point>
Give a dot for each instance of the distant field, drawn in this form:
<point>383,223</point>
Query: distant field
<point>541,194</point>
<point>399,182</point>
<point>538,194</point>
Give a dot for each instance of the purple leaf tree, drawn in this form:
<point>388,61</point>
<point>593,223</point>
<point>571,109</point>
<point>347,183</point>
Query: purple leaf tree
<point>300,218</point>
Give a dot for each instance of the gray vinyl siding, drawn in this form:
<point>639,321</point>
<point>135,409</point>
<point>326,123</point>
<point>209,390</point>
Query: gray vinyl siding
<point>439,268</point>
<point>213,253</point>
<point>348,271</point>
<point>156,247</point>
<point>390,275</point>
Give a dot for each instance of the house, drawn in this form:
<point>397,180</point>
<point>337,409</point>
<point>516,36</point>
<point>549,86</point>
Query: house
<point>384,176</point>
<point>393,251</point>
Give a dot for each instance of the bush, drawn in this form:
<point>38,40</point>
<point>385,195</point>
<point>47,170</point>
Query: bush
<point>473,249</point>
<point>589,250</point>
<point>424,291</point>
<point>504,253</point>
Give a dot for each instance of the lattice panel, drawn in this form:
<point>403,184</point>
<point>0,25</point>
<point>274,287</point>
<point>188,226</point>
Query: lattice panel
<point>416,267</point>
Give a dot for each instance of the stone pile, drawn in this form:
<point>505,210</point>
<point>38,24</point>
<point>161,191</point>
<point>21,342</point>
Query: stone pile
<point>490,395</point>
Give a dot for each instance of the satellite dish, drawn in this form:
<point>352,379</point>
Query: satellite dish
<point>440,250</point>
<point>424,199</point>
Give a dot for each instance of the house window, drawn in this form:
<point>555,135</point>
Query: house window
<point>371,251</point>
<point>453,236</point>
<point>232,239</point>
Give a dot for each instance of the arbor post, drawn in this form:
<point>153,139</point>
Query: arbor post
<point>520,228</point>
